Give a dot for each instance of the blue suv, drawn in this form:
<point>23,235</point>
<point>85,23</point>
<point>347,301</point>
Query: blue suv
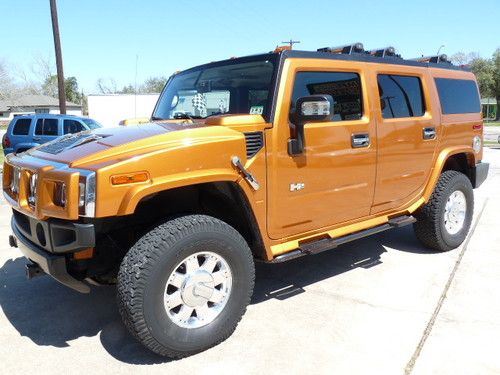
<point>27,131</point>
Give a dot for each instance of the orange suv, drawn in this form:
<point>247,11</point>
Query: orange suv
<point>267,157</point>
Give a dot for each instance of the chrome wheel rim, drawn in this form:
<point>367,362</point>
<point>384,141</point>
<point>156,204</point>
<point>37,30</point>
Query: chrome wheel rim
<point>197,290</point>
<point>454,212</point>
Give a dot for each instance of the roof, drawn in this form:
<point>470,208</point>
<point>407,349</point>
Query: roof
<point>37,101</point>
<point>3,106</point>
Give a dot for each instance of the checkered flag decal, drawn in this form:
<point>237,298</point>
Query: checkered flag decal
<point>200,104</point>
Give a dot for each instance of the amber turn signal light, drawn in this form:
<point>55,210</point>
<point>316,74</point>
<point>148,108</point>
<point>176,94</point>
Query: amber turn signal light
<point>129,178</point>
<point>84,254</point>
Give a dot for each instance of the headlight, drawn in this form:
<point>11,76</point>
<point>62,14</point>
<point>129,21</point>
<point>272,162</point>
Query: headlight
<point>32,189</point>
<point>476,144</point>
<point>16,176</point>
<point>86,196</point>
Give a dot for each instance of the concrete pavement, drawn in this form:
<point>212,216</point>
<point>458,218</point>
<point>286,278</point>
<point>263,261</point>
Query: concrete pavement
<point>381,305</point>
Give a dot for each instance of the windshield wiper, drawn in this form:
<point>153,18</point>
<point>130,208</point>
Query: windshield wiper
<point>155,118</point>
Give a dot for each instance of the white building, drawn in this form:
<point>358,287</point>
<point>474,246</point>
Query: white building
<point>34,104</point>
<point>110,109</point>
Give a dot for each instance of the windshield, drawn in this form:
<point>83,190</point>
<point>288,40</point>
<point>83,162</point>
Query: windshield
<point>231,87</point>
<point>91,123</point>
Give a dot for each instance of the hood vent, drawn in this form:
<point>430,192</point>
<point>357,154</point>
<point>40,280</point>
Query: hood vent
<point>69,141</point>
<point>254,142</point>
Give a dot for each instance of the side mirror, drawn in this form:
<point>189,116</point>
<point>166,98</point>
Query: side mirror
<point>307,109</point>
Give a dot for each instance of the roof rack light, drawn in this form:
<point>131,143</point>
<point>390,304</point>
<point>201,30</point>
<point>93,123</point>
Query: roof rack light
<point>433,59</point>
<point>347,49</point>
<point>384,52</point>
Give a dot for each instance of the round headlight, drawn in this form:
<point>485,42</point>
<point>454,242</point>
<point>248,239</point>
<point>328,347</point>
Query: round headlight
<point>476,144</point>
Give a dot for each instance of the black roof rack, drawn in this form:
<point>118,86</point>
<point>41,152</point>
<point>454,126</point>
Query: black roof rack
<point>437,59</point>
<point>348,49</point>
<point>384,52</point>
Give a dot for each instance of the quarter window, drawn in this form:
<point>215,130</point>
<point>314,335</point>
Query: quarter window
<point>458,96</point>
<point>22,126</point>
<point>400,96</point>
<point>345,89</point>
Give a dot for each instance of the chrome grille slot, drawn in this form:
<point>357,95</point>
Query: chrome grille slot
<point>254,142</point>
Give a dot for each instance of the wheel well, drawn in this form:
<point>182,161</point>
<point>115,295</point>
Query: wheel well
<point>460,162</point>
<point>222,200</point>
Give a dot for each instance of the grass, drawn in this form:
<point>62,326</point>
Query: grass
<point>492,123</point>
<point>1,157</point>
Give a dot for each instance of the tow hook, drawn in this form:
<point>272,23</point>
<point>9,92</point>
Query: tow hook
<point>246,174</point>
<point>33,270</point>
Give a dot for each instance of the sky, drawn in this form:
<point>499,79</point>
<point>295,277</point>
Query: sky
<point>105,38</point>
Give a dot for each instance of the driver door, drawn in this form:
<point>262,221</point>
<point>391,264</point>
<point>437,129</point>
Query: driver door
<point>332,181</point>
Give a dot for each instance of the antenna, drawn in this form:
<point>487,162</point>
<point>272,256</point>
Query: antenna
<point>291,42</point>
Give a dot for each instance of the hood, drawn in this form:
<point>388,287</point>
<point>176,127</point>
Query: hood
<point>111,144</point>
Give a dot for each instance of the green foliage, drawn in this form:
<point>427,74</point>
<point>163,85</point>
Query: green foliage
<point>49,87</point>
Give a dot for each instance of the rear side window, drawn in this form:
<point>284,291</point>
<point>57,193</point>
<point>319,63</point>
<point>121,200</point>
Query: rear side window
<point>458,96</point>
<point>400,96</point>
<point>72,126</point>
<point>22,127</point>
<point>345,89</point>
<point>46,126</point>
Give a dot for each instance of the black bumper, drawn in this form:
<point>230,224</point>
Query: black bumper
<point>479,174</point>
<point>51,263</point>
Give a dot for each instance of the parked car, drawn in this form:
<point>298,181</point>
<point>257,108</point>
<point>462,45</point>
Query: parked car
<point>27,131</point>
<point>267,157</point>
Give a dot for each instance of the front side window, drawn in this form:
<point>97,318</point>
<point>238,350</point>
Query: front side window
<point>229,87</point>
<point>22,126</point>
<point>72,126</point>
<point>345,89</point>
<point>400,96</point>
<point>46,126</point>
<point>91,124</point>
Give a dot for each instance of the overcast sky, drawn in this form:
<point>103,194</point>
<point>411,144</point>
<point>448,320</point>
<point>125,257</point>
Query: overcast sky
<point>101,38</point>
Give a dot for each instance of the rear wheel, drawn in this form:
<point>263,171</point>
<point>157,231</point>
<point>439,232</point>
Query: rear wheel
<point>443,223</point>
<point>184,286</point>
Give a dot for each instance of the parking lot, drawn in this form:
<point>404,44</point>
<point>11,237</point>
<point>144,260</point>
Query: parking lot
<point>381,305</point>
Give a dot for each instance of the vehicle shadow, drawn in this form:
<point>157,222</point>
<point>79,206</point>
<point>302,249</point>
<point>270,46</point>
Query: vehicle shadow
<point>52,315</point>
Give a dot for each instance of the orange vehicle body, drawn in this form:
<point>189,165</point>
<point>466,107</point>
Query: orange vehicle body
<point>347,189</point>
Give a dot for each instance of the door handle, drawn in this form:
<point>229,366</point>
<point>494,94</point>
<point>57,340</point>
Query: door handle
<point>429,133</point>
<point>36,138</point>
<point>360,140</point>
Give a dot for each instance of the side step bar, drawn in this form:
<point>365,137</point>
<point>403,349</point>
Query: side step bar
<point>318,246</point>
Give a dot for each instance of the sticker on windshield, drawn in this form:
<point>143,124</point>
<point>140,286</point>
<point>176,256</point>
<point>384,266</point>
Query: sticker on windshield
<point>256,110</point>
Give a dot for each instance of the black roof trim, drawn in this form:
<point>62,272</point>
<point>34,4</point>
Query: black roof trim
<point>367,58</point>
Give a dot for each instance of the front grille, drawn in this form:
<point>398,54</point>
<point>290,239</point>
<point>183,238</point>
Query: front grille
<point>254,142</point>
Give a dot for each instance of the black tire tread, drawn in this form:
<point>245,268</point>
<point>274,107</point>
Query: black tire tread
<point>428,225</point>
<point>136,266</point>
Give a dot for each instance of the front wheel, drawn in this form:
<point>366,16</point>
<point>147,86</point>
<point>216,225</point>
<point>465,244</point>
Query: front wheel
<point>443,223</point>
<point>184,286</point>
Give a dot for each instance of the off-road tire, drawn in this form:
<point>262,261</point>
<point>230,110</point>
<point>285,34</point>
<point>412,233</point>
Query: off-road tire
<point>429,227</point>
<point>147,265</point>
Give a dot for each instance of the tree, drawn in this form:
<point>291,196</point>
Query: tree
<point>496,81</point>
<point>49,87</point>
<point>106,86</point>
<point>153,85</point>
<point>484,70</point>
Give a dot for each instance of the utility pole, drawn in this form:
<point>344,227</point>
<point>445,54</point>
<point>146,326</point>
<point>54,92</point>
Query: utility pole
<point>291,43</point>
<point>59,63</point>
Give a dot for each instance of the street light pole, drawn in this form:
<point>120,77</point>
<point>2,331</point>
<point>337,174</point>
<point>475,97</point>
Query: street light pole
<point>59,63</point>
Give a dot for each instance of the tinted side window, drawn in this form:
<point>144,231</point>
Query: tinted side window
<point>39,127</point>
<point>458,96</point>
<point>22,127</point>
<point>50,126</point>
<point>345,88</point>
<point>72,126</point>
<point>400,96</point>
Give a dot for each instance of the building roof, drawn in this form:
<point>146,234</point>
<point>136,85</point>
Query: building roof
<point>36,101</point>
<point>3,106</point>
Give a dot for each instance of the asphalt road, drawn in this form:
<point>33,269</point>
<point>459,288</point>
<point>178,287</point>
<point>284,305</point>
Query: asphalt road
<point>381,305</point>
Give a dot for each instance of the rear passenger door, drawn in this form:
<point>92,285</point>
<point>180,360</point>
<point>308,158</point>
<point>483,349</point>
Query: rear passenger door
<point>46,130</point>
<point>407,136</point>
